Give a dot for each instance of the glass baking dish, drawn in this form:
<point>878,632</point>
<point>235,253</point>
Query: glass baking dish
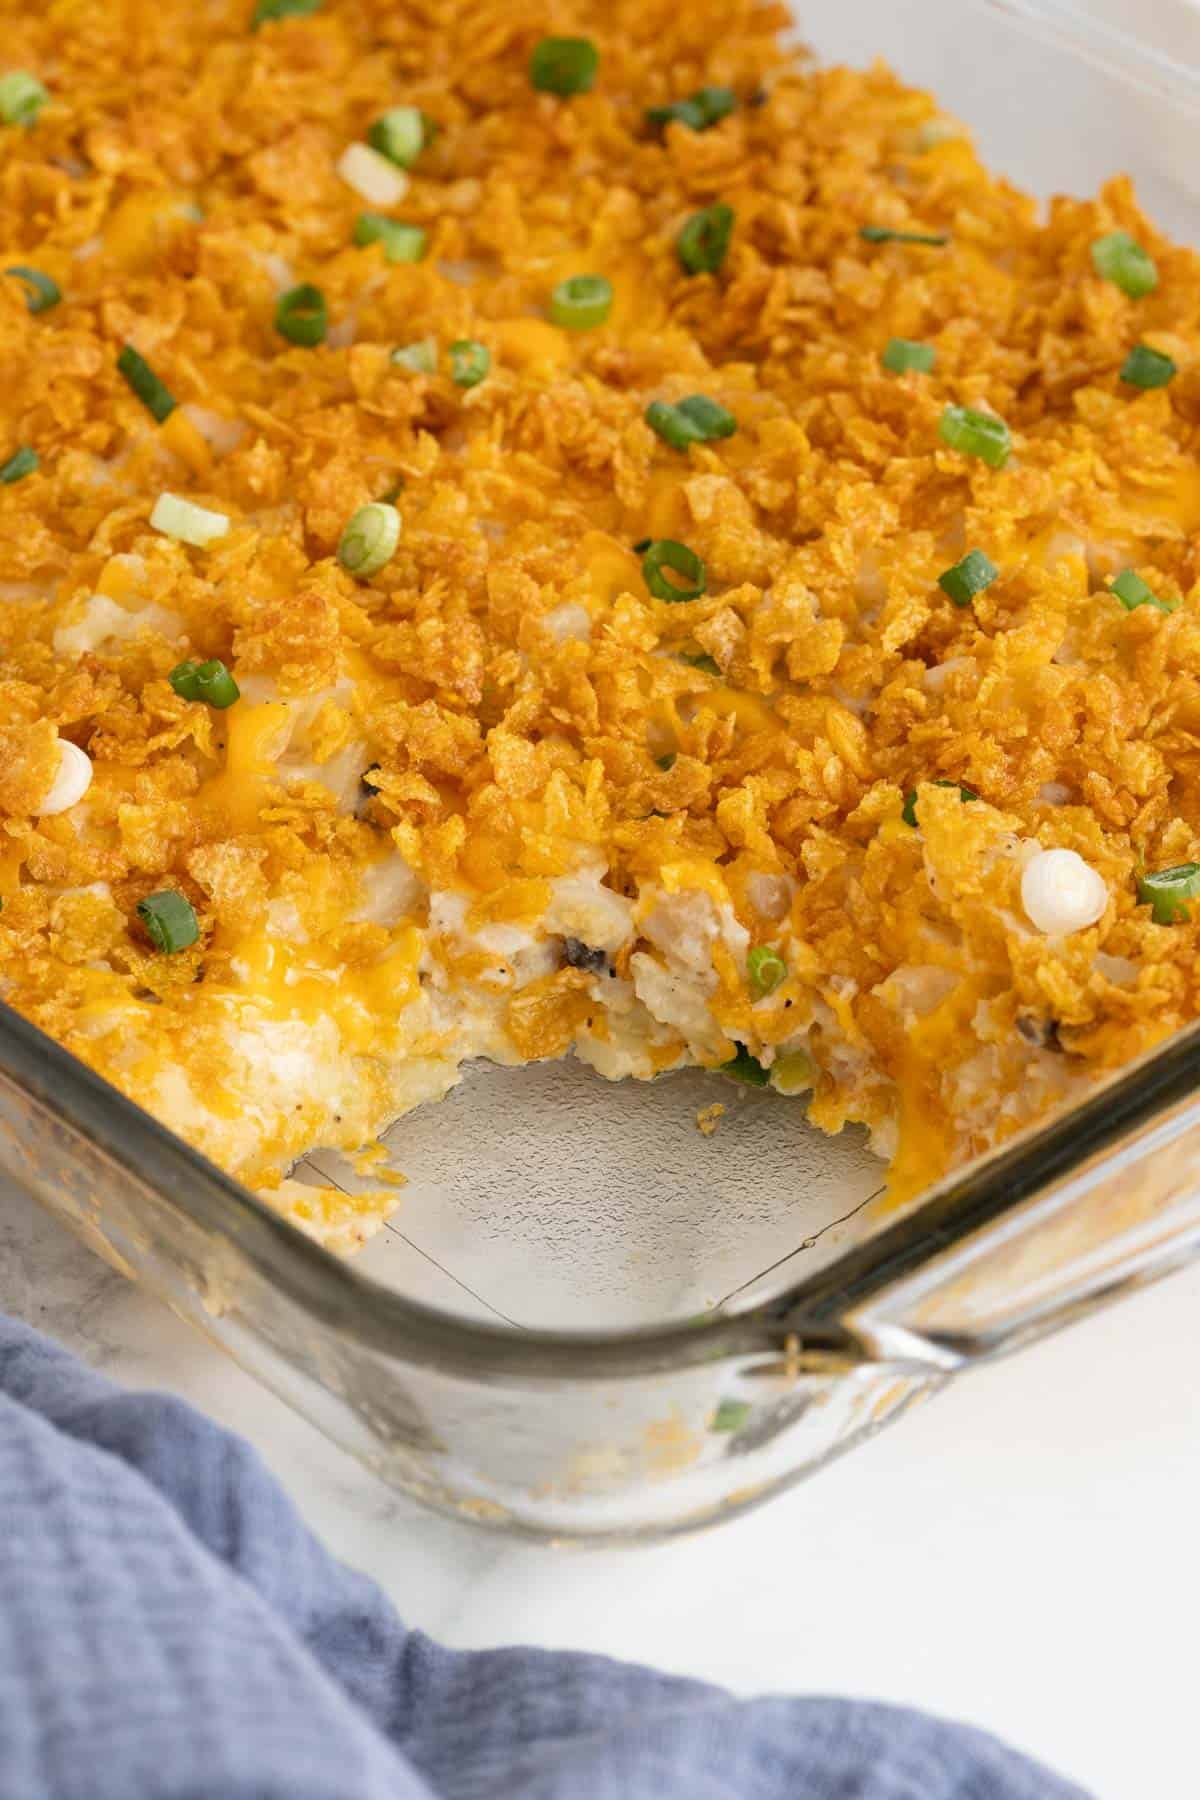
<point>587,1321</point>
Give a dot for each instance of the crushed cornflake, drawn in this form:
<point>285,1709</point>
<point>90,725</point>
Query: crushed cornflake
<point>709,1117</point>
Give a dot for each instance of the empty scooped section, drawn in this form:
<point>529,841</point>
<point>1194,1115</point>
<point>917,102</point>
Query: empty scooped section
<point>547,1198</point>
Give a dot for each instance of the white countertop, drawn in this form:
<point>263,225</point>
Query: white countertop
<point>1021,1553</point>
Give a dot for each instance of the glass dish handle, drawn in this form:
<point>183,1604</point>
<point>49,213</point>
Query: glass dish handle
<point>1035,1237</point>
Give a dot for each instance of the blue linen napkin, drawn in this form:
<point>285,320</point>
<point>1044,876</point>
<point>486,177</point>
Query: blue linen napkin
<point>169,1630</point>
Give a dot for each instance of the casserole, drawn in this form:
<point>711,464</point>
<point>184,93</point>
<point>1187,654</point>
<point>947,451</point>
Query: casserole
<point>590,1434</point>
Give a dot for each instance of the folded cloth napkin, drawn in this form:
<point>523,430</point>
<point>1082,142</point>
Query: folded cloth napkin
<point>169,1630</point>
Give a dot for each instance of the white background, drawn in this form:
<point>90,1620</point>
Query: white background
<point>1021,1553</point>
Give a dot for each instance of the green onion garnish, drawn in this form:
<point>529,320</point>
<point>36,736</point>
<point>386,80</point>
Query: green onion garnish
<point>731,1415</point>
<point>564,65</point>
<point>469,362</point>
<point>976,434</point>
<point>401,243</point>
<point>695,420</point>
<point>169,919</point>
<point>154,394</point>
<point>209,682</point>
<point>765,970</point>
<point>705,107</point>
<point>744,1067</point>
<point>21,463</point>
<point>909,810</point>
<point>581,302</point>
<point>665,553</point>
<point>186,522</point>
<point>22,97</point>
<point>968,577</point>
<point>904,355</point>
<point>1168,889</point>
<point>667,763</point>
<point>369,540</point>
<point>400,135</point>
<point>672,426</point>
<point>1133,592</point>
<point>1120,258</point>
<point>302,316</point>
<point>710,419</point>
<point>1147,368</point>
<point>420,357</point>
<point>883,234</point>
<point>708,665</point>
<point>267,10</point>
<point>703,244</point>
<point>43,293</point>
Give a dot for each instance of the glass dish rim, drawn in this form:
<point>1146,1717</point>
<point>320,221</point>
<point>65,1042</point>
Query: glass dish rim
<point>814,1310</point>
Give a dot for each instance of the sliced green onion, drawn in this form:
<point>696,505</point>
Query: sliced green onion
<point>170,920</point>
<point>904,356</point>
<point>909,811</point>
<point>1120,258</point>
<point>21,463</point>
<point>1167,890</point>
<point>187,522</point>
<point>708,665</point>
<point>43,293</point>
<point>765,970</point>
<point>302,316</point>
<point>564,65</point>
<point>883,234</point>
<point>695,420</point>
<point>706,107</point>
<point>731,1415</point>
<point>1147,368</point>
<point>369,540</point>
<point>154,394</point>
<point>746,1068</point>
<point>399,134</point>
<point>672,426</point>
<point>1132,592</point>
<point>22,97</point>
<point>667,763</point>
<point>209,682</point>
<point>581,302</point>
<point>710,418</point>
<point>703,244</point>
<point>401,243</point>
<point>968,577</point>
<point>420,357</point>
<point>469,362</point>
<point>665,553</point>
<point>976,433</point>
<point>268,10</point>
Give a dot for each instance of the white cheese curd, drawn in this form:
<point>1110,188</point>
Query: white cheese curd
<point>1062,893</point>
<point>372,176</point>
<point>71,782</point>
